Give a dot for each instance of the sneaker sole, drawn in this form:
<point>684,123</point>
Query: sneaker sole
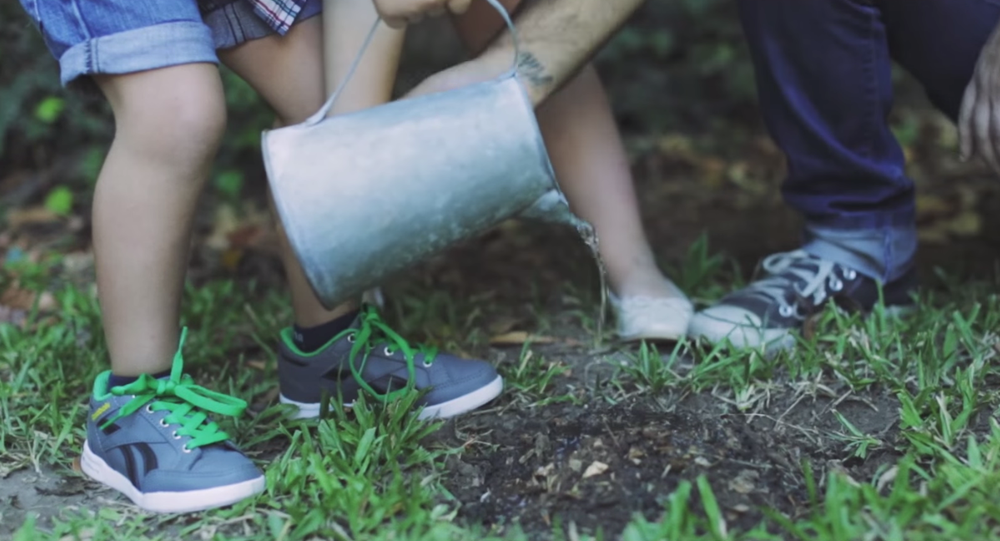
<point>444,410</point>
<point>716,331</point>
<point>168,502</point>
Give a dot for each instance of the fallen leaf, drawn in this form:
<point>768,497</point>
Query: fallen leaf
<point>886,478</point>
<point>22,299</point>
<point>245,236</point>
<point>76,465</point>
<point>545,471</point>
<point>503,325</point>
<point>966,224</point>
<point>743,483</point>
<point>520,337</point>
<point>225,222</point>
<point>18,218</point>
<point>595,468</point>
<point>929,206</point>
<point>257,364</point>
<point>231,258</point>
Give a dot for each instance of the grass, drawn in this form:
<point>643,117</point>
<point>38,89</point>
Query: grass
<point>377,473</point>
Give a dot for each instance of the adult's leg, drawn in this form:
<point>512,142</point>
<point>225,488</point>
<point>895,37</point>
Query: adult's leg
<point>824,82</point>
<point>288,72</point>
<point>823,74</point>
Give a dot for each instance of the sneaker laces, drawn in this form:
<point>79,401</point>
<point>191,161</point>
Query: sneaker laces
<point>373,333</point>
<point>783,268</point>
<point>186,402</point>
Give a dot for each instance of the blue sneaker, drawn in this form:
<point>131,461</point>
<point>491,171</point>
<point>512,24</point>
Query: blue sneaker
<point>152,440</point>
<point>371,358</point>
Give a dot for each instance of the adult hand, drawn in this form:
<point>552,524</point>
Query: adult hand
<point>979,119</point>
<point>399,13</point>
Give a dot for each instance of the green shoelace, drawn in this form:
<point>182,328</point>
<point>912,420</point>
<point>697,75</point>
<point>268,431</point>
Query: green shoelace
<point>373,333</point>
<point>186,402</point>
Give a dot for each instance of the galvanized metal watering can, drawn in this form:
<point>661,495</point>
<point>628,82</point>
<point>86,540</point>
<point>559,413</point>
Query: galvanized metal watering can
<point>368,194</point>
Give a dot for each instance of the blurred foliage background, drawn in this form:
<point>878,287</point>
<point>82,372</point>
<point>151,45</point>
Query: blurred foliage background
<point>659,70</point>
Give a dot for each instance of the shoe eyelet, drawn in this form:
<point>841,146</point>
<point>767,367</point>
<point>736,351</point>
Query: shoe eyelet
<point>786,310</point>
<point>388,352</point>
<point>835,284</point>
<point>163,423</point>
<point>176,437</point>
<point>850,274</point>
<point>427,364</point>
<point>149,409</point>
<point>185,449</point>
<point>351,338</point>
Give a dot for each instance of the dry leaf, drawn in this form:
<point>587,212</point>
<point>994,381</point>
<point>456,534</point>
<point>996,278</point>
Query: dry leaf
<point>503,325</point>
<point>933,206</point>
<point>743,482</point>
<point>16,298</point>
<point>257,364</point>
<point>966,224</point>
<point>886,478</point>
<point>520,337</point>
<point>595,468</point>
<point>76,465</point>
<point>225,222</point>
<point>18,218</point>
<point>231,258</point>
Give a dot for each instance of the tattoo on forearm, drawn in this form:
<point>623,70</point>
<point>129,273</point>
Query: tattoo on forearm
<point>529,67</point>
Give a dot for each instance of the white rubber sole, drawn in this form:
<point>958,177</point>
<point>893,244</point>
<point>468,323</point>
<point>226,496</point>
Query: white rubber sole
<point>444,410</point>
<point>716,331</point>
<point>742,336</point>
<point>168,502</point>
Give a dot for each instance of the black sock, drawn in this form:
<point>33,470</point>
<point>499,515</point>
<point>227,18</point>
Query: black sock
<point>310,339</point>
<point>118,381</point>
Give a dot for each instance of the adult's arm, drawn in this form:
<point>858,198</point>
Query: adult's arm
<point>557,37</point>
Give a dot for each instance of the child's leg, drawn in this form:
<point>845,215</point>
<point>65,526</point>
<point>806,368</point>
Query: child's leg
<point>593,170</point>
<point>288,72</point>
<point>147,436</point>
<point>144,204</point>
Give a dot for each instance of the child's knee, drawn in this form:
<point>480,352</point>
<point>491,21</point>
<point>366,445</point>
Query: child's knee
<point>178,117</point>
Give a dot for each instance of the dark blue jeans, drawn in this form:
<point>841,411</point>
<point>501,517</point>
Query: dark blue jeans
<point>823,71</point>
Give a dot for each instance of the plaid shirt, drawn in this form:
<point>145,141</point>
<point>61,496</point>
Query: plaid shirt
<point>278,14</point>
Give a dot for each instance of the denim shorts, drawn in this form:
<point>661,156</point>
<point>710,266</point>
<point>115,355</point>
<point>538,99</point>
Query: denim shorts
<point>126,36</point>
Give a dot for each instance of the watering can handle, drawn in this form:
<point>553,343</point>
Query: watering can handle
<point>321,114</point>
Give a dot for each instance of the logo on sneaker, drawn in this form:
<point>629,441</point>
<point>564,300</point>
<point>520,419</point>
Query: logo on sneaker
<point>100,411</point>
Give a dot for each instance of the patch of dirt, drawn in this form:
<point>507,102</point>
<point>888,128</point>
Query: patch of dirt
<point>598,465</point>
<point>46,494</point>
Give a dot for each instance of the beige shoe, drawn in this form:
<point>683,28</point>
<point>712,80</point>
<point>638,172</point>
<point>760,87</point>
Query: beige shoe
<point>652,318</point>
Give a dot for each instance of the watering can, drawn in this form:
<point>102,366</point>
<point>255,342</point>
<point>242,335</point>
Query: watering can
<point>367,194</point>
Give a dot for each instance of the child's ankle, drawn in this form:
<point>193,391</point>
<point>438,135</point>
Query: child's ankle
<point>310,339</point>
<point>118,381</point>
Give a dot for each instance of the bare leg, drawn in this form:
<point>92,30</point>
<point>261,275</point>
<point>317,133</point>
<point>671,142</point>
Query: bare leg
<point>288,72</point>
<point>144,206</point>
<point>590,161</point>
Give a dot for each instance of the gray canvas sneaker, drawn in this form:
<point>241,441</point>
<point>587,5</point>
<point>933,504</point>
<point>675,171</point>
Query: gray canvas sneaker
<point>371,358</point>
<point>152,440</point>
<point>768,312</point>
